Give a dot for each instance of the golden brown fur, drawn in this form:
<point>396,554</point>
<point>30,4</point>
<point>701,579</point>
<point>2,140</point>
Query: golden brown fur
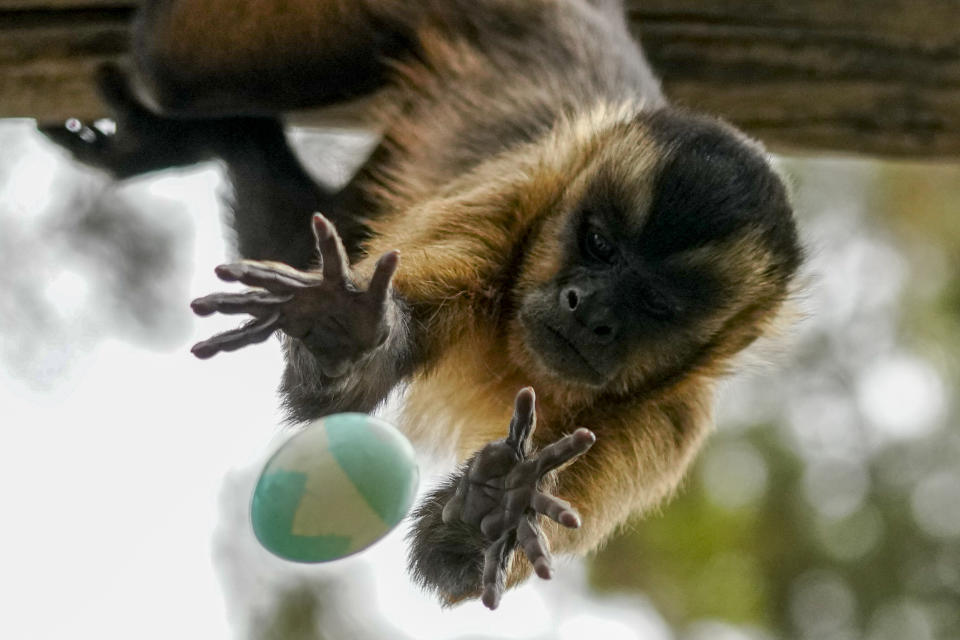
<point>509,126</point>
<point>654,416</point>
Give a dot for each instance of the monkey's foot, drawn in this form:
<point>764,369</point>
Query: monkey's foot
<point>499,492</point>
<point>143,141</point>
<point>336,321</point>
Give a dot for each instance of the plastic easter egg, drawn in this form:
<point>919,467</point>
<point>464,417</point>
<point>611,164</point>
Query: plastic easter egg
<point>334,488</point>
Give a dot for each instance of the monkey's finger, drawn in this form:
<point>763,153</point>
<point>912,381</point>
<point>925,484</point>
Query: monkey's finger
<point>331,249</point>
<point>556,509</point>
<point>256,303</point>
<point>535,546</point>
<point>454,507</point>
<point>256,331</point>
<point>565,449</point>
<point>523,422</point>
<point>382,275</point>
<point>495,569</point>
<point>261,275</point>
<point>493,524</point>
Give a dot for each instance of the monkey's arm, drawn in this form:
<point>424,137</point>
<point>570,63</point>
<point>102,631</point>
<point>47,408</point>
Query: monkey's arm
<point>346,347</point>
<point>639,457</point>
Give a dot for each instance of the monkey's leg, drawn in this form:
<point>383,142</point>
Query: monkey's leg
<point>215,57</point>
<point>272,196</point>
<point>144,141</point>
<point>466,532</point>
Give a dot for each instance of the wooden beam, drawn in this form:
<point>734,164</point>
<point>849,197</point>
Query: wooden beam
<point>48,55</point>
<point>869,76</point>
<point>45,5</point>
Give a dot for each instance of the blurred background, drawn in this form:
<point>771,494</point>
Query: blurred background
<point>826,506</point>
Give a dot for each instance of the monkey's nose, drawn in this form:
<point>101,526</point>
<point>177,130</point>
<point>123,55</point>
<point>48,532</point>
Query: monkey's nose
<point>591,314</point>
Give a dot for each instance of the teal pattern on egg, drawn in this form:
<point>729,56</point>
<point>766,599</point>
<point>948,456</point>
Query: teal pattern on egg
<point>334,488</point>
<point>358,449</point>
<point>275,502</point>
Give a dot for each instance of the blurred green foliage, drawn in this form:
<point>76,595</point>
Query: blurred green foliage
<point>852,527</point>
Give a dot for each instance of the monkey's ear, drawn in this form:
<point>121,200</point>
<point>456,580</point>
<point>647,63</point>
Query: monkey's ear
<point>523,423</point>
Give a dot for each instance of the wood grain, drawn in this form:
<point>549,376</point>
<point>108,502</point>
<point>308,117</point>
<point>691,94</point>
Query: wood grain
<point>870,76</point>
<point>879,77</point>
<point>48,56</point>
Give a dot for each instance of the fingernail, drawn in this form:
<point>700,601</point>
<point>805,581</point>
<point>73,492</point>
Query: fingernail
<point>199,308</point>
<point>543,569</point>
<point>321,224</point>
<point>200,352</point>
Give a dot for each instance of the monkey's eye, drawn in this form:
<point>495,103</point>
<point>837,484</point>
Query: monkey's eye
<point>598,247</point>
<point>658,305</point>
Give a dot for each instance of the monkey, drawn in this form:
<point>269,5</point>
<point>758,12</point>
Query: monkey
<point>556,263</point>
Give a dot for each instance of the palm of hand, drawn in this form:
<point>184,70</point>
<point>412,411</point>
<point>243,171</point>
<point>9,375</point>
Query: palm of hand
<point>337,321</point>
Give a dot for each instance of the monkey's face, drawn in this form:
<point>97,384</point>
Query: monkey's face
<point>675,228</point>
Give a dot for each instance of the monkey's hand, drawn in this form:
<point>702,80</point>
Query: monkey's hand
<point>500,492</point>
<point>337,321</point>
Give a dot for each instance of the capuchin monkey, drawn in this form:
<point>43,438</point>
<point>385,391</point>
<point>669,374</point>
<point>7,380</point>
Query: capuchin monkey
<point>556,263</point>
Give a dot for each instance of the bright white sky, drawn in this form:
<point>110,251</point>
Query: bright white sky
<point>116,482</point>
<point>113,482</point>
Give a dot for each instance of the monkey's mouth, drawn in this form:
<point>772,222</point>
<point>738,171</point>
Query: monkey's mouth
<point>562,355</point>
